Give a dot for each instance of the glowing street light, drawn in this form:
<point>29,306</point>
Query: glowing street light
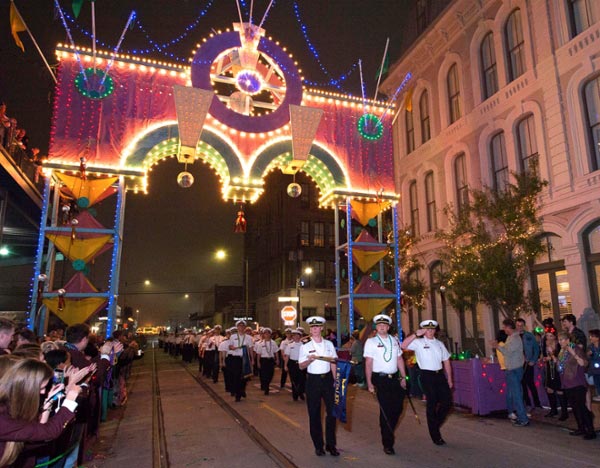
<point>220,254</point>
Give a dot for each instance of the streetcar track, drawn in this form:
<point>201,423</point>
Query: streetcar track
<point>272,452</point>
<point>160,454</point>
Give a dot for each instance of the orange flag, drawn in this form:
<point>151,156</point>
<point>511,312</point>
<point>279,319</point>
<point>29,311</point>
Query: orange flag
<point>16,25</point>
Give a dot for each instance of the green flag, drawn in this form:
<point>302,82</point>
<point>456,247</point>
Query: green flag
<point>383,68</point>
<point>76,5</point>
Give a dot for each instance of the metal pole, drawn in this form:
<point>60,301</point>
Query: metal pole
<point>246,287</point>
<point>338,305</point>
<point>350,242</point>
<point>397,271</point>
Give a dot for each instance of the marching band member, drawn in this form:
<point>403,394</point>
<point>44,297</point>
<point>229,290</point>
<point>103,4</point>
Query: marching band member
<point>239,344</point>
<point>266,359</point>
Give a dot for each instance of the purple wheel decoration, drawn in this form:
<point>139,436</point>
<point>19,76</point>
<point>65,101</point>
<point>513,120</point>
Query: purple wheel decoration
<point>275,79</point>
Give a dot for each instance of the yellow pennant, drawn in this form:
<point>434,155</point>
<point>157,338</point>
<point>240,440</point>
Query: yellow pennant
<point>16,25</point>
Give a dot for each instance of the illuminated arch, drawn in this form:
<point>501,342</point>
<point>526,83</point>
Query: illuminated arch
<point>321,165</point>
<point>164,141</point>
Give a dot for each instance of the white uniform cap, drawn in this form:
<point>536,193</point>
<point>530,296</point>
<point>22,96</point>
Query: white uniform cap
<point>428,324</point>
<point>315,321</point>
<point>232,329</point>
<point>267,329</point>
<point>287,330</point>
<point>298,331</point>
<point>382,318</point>
<point>240,322</point>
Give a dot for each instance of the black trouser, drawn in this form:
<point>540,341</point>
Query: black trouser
<point>267,369</point>
<point>227,374</point>
<point>209,362</point>
<point>298,378</point>
<point>320,386</point>
<point>583,416</point>
<point>200,361</point>
<point>391,397</point>
<point>238,382</point>
<point>439,399</point>
<point>284,374</point>
<point>188,351</point>
<point>527,383</point>
<point>215,368</point>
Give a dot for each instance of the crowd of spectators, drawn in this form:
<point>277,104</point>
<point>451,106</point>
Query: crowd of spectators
<point>55,392</point>
<point>15,141</point>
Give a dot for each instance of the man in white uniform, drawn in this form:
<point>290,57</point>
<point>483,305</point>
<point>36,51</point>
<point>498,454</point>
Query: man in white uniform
<point>383,363</point>
<point>291,356</point>
<point>266,359</point>
<point>319,385</point>
<point>433,359</point>
<point>237,343</point>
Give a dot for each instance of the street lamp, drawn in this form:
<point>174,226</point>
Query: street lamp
<point>307,271</point>
<point>222,255</point>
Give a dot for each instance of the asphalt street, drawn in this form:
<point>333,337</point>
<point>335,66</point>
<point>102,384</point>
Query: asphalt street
<point>175,418</point>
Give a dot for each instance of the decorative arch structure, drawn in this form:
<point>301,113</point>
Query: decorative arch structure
<point>240,106</point>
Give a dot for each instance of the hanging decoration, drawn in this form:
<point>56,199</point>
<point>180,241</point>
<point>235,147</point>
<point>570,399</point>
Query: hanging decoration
<point>371,306</point>
<point>82,168</point>
<point>61,299</point>
<point>93,85</point>
<point>87,192</point>
<point>240,221</point>
<point>294,190</point>
<point>366,256</point>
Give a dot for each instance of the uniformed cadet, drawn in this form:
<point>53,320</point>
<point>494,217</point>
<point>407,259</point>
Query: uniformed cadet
<point>383,365</point>
<point>238,341</point>
<point>266,359</point>
<point>291,356</point>
<point>319,385</point>
<point>217,338</point>
<point>282,346</point>
<point>433,358</point>
<point>223,358</point>
<point>209,353</point>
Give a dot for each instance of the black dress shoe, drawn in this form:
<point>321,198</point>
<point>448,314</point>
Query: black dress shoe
<point>551,414</point>
<point>302,397</point>
<point>563,417</point>
<point>389,450</point>
<point>333,451</point>
<point>576,432</point>
<point>440,441</point>
<point>590,436</point>
<point>319,452</point>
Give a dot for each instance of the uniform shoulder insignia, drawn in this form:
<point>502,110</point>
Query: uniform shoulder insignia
<point>305,340</point>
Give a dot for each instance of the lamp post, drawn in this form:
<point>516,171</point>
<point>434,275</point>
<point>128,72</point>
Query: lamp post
<point>307,271</point>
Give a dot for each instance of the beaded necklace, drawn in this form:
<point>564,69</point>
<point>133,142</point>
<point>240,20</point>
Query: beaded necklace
<point>563,355</point>
<point>386,358</point>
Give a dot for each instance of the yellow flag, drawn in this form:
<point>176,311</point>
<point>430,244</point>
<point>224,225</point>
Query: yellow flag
<point>408,99</point>
<point>16,25</point>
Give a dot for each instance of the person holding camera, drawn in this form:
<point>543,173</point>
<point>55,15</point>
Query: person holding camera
<point>21,420</point>
<point>514,360</point>
<point>571,365</point>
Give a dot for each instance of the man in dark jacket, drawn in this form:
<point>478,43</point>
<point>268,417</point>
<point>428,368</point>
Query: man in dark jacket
<point>531,351</point>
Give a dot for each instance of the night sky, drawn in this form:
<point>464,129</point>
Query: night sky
<point>171,233</point>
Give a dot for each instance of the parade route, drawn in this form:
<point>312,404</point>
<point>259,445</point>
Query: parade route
<point>196,423</point>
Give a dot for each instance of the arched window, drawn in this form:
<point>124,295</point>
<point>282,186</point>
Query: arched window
<point>489,71</point>
<point>414,208</point>
<point>438,302</point>
<point>424,114</point>
<point>515,45</point>
<point>410,132</point>
<point>460,182</point>
<point>592,254</point>
<point>592,105</point>
<point>453,93</point>
<point>430,202</point>
<point>527,144</point>
<point>583,13</point>
<point>499,162</point>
